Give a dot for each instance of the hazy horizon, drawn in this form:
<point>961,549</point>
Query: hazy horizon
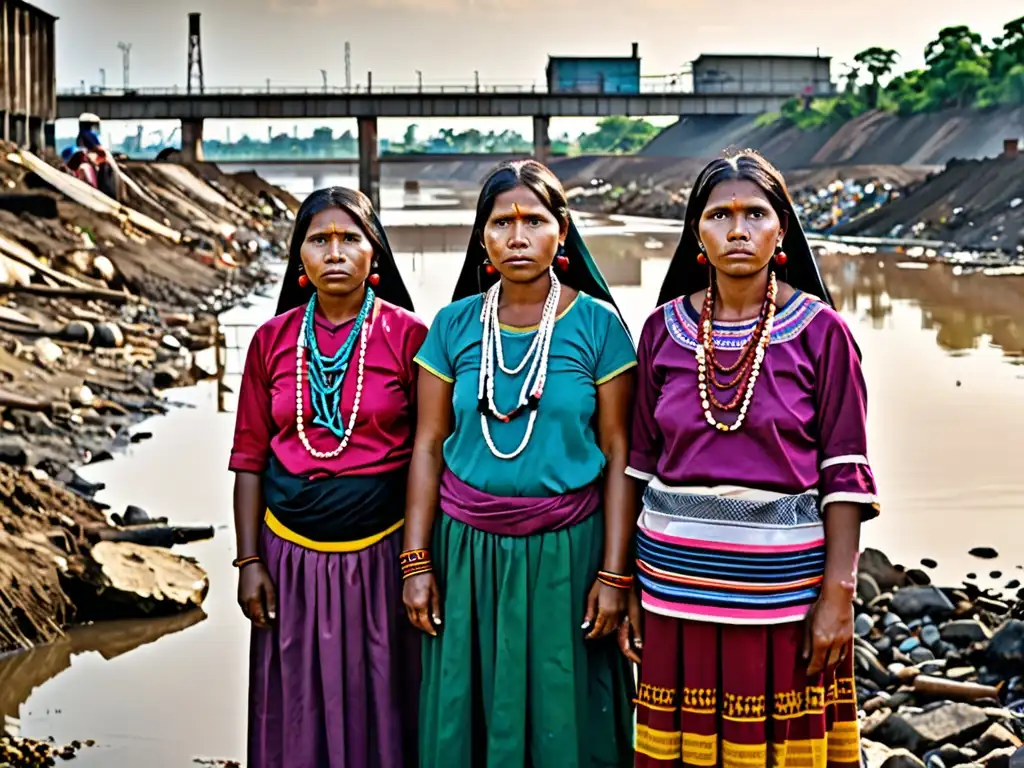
<point>245,42</point>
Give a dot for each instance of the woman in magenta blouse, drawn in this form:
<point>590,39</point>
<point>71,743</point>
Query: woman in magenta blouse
<point>750,444</point>
<point>322,443</point>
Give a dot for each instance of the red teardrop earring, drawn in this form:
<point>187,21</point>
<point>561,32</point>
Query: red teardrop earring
<point>701,258</point>
<point>781,258</point>
<point>303,281</point>
<point>489,268</point>
<point>561,260</point>
<point>374,278</point>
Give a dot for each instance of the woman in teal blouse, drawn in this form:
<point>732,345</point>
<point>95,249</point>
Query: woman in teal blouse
<point>521,441</point>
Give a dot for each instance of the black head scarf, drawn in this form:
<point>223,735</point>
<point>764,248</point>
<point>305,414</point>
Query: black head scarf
<point>391,288</point>
<point>686,275</point>
<point>582,273</point>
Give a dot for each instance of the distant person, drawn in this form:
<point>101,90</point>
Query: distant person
<point>108,175</point>
<point>319,498</point>
<point>79,165</point>
<point>749,442</point>
<point>521,580</point>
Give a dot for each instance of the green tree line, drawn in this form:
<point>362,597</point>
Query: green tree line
<point>961,71</point>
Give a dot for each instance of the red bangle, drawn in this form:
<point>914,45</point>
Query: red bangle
<point>414,562</point>
<point>617,580</point>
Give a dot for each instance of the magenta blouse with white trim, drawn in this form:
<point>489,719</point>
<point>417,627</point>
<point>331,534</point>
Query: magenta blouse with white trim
<point>805,429</point>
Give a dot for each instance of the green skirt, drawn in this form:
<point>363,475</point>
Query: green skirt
<point>509,681</point>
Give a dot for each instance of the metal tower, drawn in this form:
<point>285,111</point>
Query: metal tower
<point>195,55</point>
<point>348,66</point>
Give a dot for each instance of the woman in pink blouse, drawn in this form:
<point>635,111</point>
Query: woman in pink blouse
<point>322,444</point>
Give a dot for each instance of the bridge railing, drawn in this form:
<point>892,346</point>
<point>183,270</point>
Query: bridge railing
<point>647,85</point>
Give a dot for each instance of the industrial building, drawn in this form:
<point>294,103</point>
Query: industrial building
<point>583,74</point>
<point>763,75</point>
<point>28,77</point>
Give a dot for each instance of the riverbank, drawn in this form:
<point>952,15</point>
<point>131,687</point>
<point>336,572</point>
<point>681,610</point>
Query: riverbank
<point>972,205</point>
<point>102,308</point>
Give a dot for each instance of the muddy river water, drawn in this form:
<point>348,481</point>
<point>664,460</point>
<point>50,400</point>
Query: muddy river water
<point>944,360</point>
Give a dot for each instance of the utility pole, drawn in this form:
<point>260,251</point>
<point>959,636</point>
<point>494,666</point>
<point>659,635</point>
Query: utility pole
<point>103,79</point>
<point>126,59</point>
<point>419,81</point>
<point>323,74</point>
<point>195,54</point>
<point>348,66</point>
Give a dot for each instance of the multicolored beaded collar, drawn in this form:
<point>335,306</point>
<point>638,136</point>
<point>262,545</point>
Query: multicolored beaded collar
<point>681,320</point>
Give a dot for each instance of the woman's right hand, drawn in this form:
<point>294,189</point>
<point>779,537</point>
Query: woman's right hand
<point>256,595</point>
<point>423,602</point>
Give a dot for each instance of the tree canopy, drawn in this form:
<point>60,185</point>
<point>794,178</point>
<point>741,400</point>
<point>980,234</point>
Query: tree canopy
<point>961,71</point>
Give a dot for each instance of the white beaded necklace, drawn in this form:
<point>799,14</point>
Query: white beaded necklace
<point>299,425</point>
<point>536,355</point>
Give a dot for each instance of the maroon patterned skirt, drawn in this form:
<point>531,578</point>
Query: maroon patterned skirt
<point>739,696</point>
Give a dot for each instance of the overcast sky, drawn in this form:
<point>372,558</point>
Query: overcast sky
<point>507,41</point>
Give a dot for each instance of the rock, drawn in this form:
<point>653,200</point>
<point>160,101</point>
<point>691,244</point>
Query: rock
<point>951,756</point>
<point>1005,651</point>
<point>170,342</point>
<point>927,562</point>
<point>867,587</point>
<point>961,673</point>
<point>879,567</point>
<point>892,730</point>
<point>930,635</point>
<point>875,753</point>
<point>995,606</point>
<point>126,580</point>
<point>999,758</point>
<point>995,574</point>
<point>909,644</point>
<point>919,577</point>
<point>902,758</point>
<point>996,737</point>
<point>1012,584</point>
<point>985,553</point>
<point>47,351</point>
<point>963,632</point>
<point>863,625</point>
<point>890,618</point>
<point>915,602</point>
<point>948,723</point>
<point>920,655</point>
<point>108,336</point>
<point>866,665</point>
<point>78,331</point>
<point>166,376</point>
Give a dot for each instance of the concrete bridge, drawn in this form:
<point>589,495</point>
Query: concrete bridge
<point>367,105</point>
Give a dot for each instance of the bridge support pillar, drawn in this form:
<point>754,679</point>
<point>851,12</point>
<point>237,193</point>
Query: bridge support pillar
<point>50,135</point>
<point>369,161</point>
<point>192,141</point>
<point>18,130</point>
<point>541,138</point>
<point>36,137</point>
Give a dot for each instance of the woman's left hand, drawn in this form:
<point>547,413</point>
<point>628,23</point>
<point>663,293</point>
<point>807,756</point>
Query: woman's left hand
<point>605,609</point>
<point>829,629</point>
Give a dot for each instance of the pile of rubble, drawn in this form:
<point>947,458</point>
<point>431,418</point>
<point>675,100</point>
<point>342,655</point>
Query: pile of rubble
<point>939,671</point>
<point>103,305</point>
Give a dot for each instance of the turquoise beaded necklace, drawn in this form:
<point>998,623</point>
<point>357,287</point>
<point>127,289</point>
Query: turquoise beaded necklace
<point>327,374</point>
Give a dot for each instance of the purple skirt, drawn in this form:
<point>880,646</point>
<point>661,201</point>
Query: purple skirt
<point>335,683</point>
